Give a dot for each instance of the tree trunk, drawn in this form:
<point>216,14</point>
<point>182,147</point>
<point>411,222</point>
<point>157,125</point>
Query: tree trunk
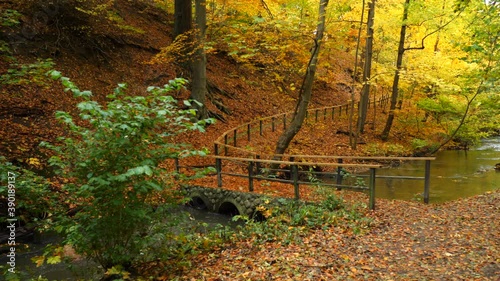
<point>365,93</point>
<point>352,141</point>
<point>183,17</point>
<point>199,63</point>
<point>306,89</point>
<point>399,64</point>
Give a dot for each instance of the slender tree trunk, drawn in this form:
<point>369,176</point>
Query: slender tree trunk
<point>395,84</point>
<point>306,89</point>
<point>365,93</point>
<point>352,141</point>
<point>462,120</point>
<point>199,63</point>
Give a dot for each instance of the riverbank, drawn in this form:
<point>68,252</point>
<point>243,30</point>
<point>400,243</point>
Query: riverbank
<point>457,240</point>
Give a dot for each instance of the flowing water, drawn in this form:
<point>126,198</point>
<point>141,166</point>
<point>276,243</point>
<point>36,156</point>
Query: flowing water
<point>82,269</point>
<point>454,174</point>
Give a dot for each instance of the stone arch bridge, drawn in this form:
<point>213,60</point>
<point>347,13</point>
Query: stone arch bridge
<point>224,201</point>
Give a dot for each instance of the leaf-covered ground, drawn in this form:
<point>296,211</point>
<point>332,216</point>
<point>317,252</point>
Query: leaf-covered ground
<point>459,240</point>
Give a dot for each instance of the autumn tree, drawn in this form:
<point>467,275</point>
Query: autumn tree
<point>183,17</point>
<point>365,92</point>
<point>402,48</point>
<point>306,88</point>
<point>397,73</point>
<point>199,62</point>
<point>191,41</point>
<point>483,51</point>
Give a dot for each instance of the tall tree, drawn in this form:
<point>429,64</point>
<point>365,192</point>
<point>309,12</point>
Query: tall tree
<point>399,64</point>
<point>399,61</point>
<point>365,92</point>
<point>483,51</point>
<point>199,62</point>
<point>183,25</point>
<point>306,89</point>
<point>353,142</point>
<point>183,17</point>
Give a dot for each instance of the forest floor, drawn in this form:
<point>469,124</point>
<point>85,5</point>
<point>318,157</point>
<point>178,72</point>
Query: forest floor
<point>458,240</point>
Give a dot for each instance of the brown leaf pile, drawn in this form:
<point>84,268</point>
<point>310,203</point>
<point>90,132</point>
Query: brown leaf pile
<point>459,240</point>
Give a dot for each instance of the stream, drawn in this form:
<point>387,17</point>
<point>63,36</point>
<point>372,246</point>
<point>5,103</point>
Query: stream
<point>83,269</point>
<point>454,174</point>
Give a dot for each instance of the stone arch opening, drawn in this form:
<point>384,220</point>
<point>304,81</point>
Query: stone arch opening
<point>198,203</point>
<point>228,208</point>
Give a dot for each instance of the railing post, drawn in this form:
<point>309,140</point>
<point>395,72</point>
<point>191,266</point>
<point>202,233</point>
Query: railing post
<point>316,116</point>
<point>218,167</point>
<point>260,127</point>
<point>234,137</point>
<point>333,113</point>
<point>177,168</point>
<point>225,145</point>
<point>339,174</point>
<point>295,177</point>
<point>427,180</point>
<point>372,189</point>
<point>258,164</point>
<point>248,131</point>
<point>324,115</point>
<point>272,124</point>
<point>250,176</point>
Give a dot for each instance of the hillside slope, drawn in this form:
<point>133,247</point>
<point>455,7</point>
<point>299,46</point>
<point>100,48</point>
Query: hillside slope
<point>98,54</point>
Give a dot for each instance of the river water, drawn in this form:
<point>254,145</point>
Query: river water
<point>454,174</point>
<point>83,269</point>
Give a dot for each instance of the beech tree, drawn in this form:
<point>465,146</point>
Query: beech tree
<point>399,61</point>
<point>365,92</point>
<point>397,73</point>
<point>198,62</point>
<point>306,88</point>
<point>183,17</point>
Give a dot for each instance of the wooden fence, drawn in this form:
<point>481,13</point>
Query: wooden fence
<point>229,139</point>
<point>254,163</point>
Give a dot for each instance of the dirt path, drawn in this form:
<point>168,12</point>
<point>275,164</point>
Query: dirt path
<point>459,240</point>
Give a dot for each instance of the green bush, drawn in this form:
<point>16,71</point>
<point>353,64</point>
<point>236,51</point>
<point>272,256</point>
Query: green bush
<point>114,166</point>
<point>24,74</point>
<point>34,198</point>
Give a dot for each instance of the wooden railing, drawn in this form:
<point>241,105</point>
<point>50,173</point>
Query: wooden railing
<point>255,162</point>
<point>229,139</point>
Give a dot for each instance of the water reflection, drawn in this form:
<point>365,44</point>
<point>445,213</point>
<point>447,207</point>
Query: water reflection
<point>454,174</point>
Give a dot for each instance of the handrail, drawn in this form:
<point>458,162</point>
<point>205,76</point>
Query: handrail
<point>255,158</point>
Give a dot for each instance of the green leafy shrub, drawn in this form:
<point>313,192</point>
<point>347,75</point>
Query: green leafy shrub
<point>24,74</point>
<point>290,219</point>
<point>34,198</point>
<point>114,166</point>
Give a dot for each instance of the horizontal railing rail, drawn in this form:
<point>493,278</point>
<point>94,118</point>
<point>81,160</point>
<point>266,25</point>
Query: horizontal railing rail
<point>255,162</point>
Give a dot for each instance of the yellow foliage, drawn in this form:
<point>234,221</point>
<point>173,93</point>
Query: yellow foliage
<point>180,51</point>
